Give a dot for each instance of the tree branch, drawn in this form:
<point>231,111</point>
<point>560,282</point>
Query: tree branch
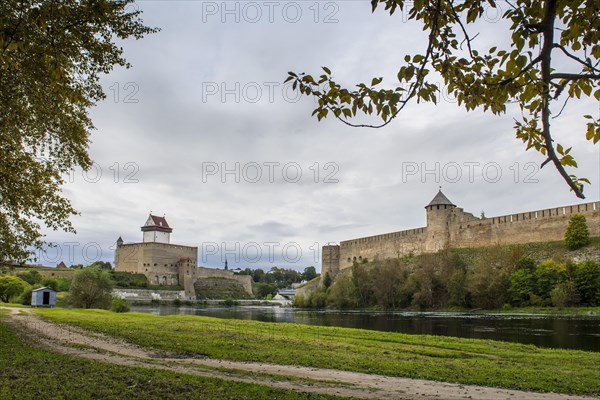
<point>579,60</point>
<point>546,54</point>
<point>573,77</point>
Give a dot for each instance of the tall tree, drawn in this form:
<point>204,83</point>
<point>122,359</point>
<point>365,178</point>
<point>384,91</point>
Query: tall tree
<point>525,72</point>
<point>52,54</point>
<point>91,288</point>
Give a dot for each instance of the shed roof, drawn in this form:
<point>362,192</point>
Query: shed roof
<point>439,200</point>
<point>43,288</point>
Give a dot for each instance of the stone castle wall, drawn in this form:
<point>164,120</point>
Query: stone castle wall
<point>244,280</point>
<point>449,226</point>
<point>170,264</point>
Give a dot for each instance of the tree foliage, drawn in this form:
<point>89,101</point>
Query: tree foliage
<point>52,54</point>
<point>577,234</point>
<point>91,288</point>
<point>11,286</point>
<point>525,71</point>
<point>446,279</point>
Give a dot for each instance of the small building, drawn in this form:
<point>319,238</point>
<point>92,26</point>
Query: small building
<point>43,297</point>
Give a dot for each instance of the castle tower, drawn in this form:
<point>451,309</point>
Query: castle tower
<point>156,229</point>
<point>330,260</point>
<point>439,217</point>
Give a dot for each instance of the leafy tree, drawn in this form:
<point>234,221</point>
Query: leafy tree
<point>522,69</point>
<point>31,277</point>
<point>101,265</point>
<point>91,288</point>
<point>262,290</point>
<point>11,286</point>
<point>522,287</point>
<point>577,234</point>
<point>547,275</point>
<point>565,295</point>
<point>258,275</point>
<point>342,293</point>
<point>50,283</point>
<point>522,282</point>
<point>309,273</point>
<point>51,57</point>
<point>587,281</point>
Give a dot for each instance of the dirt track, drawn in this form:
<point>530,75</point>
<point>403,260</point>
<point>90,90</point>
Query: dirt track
<point>73,341</point>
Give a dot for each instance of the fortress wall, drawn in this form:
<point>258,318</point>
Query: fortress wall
<point>244,280</point>
<point>388,245</point>
<point>158,261</point>
<point>532,226</point>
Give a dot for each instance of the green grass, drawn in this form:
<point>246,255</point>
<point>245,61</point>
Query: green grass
<point>30,373</point>
<point>467,361</point>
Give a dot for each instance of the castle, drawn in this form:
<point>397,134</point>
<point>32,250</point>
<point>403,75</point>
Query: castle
<point>449,226</point>
<point>164,263</point>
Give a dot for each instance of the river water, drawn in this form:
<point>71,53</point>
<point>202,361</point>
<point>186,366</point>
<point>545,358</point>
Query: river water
<point>557,331</point>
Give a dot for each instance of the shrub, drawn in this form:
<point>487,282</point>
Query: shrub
<point>577,234</point>
<point>119,305</point>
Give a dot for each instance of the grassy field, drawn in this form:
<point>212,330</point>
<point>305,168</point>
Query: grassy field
<point>467,361</point>
<point>29,373</point>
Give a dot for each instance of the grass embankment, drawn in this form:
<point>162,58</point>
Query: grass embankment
<point>30,373</point>
<point>467,361</point>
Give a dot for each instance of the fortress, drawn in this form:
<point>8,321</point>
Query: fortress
<point>164,263</point>
<point>449,226</point>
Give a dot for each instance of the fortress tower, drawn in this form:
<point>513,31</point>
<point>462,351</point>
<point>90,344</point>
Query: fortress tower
<point>156,229</point>
<point>440,211</point>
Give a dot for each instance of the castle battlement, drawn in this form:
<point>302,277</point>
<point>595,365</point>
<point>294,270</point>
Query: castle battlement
<point>449,226</point>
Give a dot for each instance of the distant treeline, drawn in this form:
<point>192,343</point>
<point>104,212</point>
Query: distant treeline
<point>269,282</point>
<point>499,277</point>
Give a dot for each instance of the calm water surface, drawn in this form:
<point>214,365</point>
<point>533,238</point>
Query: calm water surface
<point>558,331</point>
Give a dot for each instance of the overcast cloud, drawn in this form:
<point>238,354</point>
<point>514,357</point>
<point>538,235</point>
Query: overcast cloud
<point>206,93</point>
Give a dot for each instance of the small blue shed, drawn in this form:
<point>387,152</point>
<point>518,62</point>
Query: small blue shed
<point>43,297</point>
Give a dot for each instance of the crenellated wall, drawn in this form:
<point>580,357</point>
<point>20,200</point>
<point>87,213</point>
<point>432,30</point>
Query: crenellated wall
<point>450,226</point>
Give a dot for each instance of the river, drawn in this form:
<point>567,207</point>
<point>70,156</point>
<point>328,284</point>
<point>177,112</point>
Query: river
<point>557,331</point>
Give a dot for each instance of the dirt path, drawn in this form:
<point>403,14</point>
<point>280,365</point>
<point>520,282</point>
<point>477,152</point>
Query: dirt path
<point>74,341</point>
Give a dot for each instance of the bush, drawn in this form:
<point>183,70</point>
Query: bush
<point>119,305</point>
<point>577,234</point>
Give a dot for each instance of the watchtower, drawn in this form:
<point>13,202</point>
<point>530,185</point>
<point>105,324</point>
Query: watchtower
<point>439,217</point>
<point>156,229</point>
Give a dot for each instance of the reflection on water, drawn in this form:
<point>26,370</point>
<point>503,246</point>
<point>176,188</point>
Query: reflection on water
<point>569,332</point>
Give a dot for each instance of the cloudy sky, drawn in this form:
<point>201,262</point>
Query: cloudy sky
<point>203,130</point>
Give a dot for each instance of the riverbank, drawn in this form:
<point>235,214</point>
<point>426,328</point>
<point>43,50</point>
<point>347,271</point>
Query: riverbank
<point>446,359</point>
